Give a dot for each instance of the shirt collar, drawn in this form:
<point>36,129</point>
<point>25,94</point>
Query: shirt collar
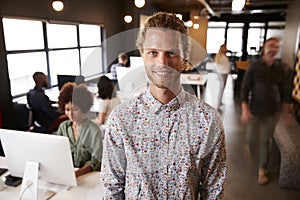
<point>38,89</point>
<point>155,106</point>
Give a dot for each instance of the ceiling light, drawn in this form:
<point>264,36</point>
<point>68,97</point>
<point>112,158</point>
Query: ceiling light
<point>128,18</point>
<point>196,26</point>
<point>189,23</point>
<point>57,5</point>
<point>237,5</point>
<point>139,3</point>
<point>196,17</point>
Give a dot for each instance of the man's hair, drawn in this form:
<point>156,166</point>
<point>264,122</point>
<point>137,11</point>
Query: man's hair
<point>165,21</point>
<point>37,76</point>
<point>123,56</point>
<point>79,95</point>
<point>272,38</point>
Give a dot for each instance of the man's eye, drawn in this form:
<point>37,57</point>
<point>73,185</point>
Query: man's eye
<point>172,54</point>
<point>153,53</point>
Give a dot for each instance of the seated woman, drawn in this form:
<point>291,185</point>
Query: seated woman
<point>84,135</point>
<point>107,99</point>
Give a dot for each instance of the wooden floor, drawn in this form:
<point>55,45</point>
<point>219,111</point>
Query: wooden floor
<point>242,171</point>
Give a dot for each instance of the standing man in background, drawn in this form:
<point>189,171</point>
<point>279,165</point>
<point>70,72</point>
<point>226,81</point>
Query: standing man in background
<point>266,91</point>
<point>122,61</point>
<point>165,143</point>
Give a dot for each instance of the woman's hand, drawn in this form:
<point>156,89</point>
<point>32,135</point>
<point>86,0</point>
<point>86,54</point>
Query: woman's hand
<point>83,170</point>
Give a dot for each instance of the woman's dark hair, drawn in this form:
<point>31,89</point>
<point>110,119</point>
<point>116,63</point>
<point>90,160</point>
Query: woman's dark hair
<point>105,88</point>
<point>79,95</point>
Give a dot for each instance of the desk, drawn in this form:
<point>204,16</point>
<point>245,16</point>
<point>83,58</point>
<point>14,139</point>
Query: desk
<point>88,187</point>
<point>194,79</point>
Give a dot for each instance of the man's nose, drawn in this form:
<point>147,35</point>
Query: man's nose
<point>162,59</point>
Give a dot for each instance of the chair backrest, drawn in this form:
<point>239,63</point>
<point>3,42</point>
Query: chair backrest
<point>242,65</point>
<point>23,116</point>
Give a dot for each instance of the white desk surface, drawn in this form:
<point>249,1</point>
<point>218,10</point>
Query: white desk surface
<point>88,187</point>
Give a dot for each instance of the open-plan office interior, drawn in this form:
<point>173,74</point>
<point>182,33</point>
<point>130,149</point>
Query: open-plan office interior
<point>82,41</point>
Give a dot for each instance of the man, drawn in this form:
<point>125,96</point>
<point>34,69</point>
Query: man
<point>266,90</point>
<point>46,118</point>
<point>164,143</point>
<point>122,61</point>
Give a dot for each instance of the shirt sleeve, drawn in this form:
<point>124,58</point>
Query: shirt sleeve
<point>246,85</point>
<point>214,164</point>
<point>94,145</point>
<point>114,160</point>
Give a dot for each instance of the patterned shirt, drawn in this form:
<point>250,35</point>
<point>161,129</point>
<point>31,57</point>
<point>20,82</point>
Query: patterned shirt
<point>164,151</point>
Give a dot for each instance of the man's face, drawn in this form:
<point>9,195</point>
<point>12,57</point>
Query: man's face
<point>45,81</point>
<point>271,48</point>
<point>161,54</point>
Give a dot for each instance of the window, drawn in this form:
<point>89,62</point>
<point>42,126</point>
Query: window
<point>215,36</point>
<point>61,36</point>
<point>234,38</point>
<point>23,34</point>
<point>54,48</point>
<point>275,29</point>
<point>255,40</point>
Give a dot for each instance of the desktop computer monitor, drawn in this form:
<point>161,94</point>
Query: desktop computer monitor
<point>52,152</point>
<point>62,79</point>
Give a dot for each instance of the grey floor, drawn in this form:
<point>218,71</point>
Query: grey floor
<point>242,171</point>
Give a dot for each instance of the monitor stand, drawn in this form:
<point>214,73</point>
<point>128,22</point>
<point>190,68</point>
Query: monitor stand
<point>30,181</point>
<point>30,184</point>
<point>53,187</point>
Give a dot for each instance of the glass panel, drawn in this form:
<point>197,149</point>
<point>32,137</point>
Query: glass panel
<point>21,68</point>
<point>234,40</point>
<point>89,35</point>
<point>61,36</point>
<point>217,24</point>
<point>215,38</point>
<point>255,40</point>
<point>91,61</point>
<point>276,24</point>
<point>239,25</point>
<point>275,33</point>
<point>23,34</point>
<point>256,25</point>
<point>65,62</point>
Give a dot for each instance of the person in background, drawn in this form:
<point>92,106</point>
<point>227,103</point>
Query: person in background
<point>266,91</point>
<point>84,135</point>
<point>107,99</point>
<point>122,61</point>
<point>46,117</point>
<point>223,68</point>
<point>164,143</point>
